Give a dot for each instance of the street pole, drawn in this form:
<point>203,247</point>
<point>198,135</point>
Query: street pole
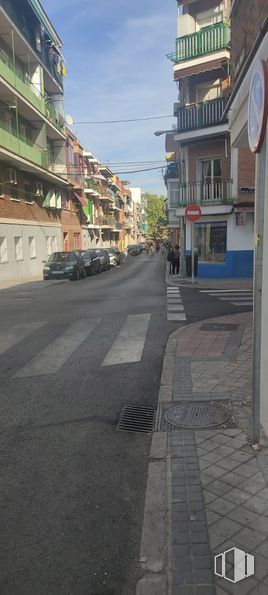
<point>257,309</point>
<point>192,249</point>
<point>182,248</point>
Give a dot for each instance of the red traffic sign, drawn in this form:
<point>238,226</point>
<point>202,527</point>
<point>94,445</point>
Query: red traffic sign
<point>193,212</point>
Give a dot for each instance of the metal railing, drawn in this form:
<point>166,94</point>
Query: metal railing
<point>216,192</point>
<point>207,40</point>
<point>200,115</point>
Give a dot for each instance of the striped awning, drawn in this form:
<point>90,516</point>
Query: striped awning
<point>198,68</point>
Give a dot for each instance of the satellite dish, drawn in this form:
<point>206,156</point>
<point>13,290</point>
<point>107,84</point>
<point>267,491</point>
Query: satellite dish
<point>69,120</point>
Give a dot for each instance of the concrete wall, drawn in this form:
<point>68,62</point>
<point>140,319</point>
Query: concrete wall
<point>27,266</point>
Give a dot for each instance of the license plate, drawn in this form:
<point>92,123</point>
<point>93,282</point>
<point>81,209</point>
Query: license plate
<point>57,272</point>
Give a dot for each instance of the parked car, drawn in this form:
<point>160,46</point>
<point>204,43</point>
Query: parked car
<point>91,260</point>
<point>104,258</point>
<point>140,246</point>
<point>116,257</point>
<point>133,249</point>
<point>143,246</point>
<point>64,265</point>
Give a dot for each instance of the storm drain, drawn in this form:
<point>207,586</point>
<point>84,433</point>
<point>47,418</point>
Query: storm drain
<point>134,418</point>
<point>210,326</point>
<point>195,415</point>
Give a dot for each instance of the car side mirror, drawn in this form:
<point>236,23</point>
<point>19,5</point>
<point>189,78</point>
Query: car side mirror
<point>44,261</point>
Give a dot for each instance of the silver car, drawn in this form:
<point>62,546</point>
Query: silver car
<point>104,258</point>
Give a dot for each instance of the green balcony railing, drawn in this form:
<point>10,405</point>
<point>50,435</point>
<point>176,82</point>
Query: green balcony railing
<point>22,147</point>
<point>207,40</point>
<point>11,75</point>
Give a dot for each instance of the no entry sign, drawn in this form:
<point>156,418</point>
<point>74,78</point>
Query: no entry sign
<point>193,212</point>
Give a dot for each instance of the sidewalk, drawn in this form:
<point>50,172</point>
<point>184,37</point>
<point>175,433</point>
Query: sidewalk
<point>243,283</point>
<point>207,489</point>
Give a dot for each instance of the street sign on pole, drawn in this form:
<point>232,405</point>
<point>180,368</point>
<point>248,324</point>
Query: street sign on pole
<point>192,213</point>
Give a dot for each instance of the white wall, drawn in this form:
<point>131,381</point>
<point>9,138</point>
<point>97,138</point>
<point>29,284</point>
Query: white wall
<point>26,267</point>
<point>136,194</point>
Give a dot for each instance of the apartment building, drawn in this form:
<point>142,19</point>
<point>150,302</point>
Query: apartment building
<point>203,170</point>
<point>137,215</point>
<point>249,22</point>
<point>32,138</point>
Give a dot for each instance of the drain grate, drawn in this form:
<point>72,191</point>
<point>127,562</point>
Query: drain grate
<point>210,326</point>
<point>134,418</point>
<point>196,415</point>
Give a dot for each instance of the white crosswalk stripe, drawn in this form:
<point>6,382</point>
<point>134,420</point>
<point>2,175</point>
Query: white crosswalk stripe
<point>19,332</point>
<point>175,308</point>
<point>129,343</point>
<point>52,357</point>
<point>236,297</point>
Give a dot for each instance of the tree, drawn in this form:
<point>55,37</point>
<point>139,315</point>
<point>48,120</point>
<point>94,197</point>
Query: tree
<point>156,215</point>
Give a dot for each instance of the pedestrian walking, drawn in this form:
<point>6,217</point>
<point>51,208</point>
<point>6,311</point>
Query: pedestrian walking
<point>175,259</point>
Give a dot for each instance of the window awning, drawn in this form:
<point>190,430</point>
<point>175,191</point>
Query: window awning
<point>198,68</point>
<point>80,199</point>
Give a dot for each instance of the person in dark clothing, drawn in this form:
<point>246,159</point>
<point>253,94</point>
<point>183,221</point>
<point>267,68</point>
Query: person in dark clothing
<point>169,258</point>
<point>175,260</point>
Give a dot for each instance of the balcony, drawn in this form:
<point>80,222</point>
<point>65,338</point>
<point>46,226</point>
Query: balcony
<point>217,192</point>
<point>206,41</point>
<point>108,222</point>
<point>23,147</point>
<point>200,115</point>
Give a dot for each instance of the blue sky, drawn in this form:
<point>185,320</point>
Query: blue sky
<point>117,68</point>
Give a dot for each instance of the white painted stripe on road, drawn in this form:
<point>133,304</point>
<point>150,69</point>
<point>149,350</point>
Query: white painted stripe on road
<point>176,316</point>
<point>236,297</point>
<point>242,303</point>
<point>175,308</point>
<point>52,358</point>
<point>10,338</point>
<point>225,291</point>
<point>129,343</point>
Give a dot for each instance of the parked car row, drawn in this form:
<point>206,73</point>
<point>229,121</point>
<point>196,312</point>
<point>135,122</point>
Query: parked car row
<point>135,249</point>
<point>77,264</point>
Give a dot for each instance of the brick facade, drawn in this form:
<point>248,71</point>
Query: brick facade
<point>246,174</point>
<point>247,19</point>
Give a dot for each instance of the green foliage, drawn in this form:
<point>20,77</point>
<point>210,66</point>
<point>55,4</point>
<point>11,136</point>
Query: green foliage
<point>156,216</point>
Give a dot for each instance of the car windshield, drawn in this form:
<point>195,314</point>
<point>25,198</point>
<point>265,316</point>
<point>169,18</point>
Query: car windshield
<point>99,252</point>
<point>61,257</point>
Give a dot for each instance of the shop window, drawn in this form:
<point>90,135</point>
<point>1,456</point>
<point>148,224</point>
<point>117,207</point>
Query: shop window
<point>211,241</point>
<point>18,248</point>
<point>3,249</point>
<point>32,247</point>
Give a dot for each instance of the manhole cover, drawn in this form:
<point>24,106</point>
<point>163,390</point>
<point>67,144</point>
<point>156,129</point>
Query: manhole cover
<point>210,326</point>
<point>135,418</point>
<point>192,414</point>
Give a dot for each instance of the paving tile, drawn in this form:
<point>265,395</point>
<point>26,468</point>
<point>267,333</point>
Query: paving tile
<point>211,457</point>
<point>221,438</point>
<point>237,496</point>
<point>215,471</point>
<point>182,577</point>
<point>242,456</point>
<point>210,445</point>
<point>208,496</point>
<point>262,548</point>
<point>180,538</point>
<point>179,590</point>
<point>181,550</point>
<point>263,493</point>
<point>226,527</point>
<point>261,568</point>
<point>260,590</point>
<point>244,516</point>
<point>218,487</point>
<point>180,563</point>
<point>199,536</point>
<point>202,563</point>
<point>200,549</point>
<point>254,484</point>
<point>248,469</point>
<point>256,503</point>
<point>233,479</point>
<point>261,525</point>
<point>249,538</point>
<point>225,451</point>
<point>203,577</point>
<point>212,517</point>
<point>207,590</point>
<point>228,464</point>
<point>215,540</point>
<point>221,506</point>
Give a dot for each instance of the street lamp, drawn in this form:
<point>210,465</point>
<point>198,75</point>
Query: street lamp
<point>160,132</point>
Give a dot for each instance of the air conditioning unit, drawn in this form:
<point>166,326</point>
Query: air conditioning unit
<point>39,189</point>
<point>11,176</point>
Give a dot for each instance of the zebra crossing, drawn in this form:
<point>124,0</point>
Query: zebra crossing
<point>236,297</point>
<point>175,308</point>
<point>126,348</point>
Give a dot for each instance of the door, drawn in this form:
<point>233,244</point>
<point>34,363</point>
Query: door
<point>211,181</point>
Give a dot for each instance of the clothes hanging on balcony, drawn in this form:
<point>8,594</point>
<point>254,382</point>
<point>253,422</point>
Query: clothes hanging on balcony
<point>63,69</point>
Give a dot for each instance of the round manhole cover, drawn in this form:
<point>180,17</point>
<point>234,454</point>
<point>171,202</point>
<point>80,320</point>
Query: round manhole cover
<point>205,414</point>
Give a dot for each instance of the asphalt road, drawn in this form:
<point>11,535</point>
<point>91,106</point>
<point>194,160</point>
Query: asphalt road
<point>72,486</point>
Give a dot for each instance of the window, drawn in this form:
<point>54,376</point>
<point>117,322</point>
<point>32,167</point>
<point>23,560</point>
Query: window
<point>208,91</point>
<point>211,186</point>
<point>32,247</point>
<point>209,17</point>
<point>28,193</point>
<point>48,245</point>
<point>3,249</point>
<point>13,191</point>
<point>18,248</point>
<point>211,241</point>
<point>54,244</point>
<point>174,194</point>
